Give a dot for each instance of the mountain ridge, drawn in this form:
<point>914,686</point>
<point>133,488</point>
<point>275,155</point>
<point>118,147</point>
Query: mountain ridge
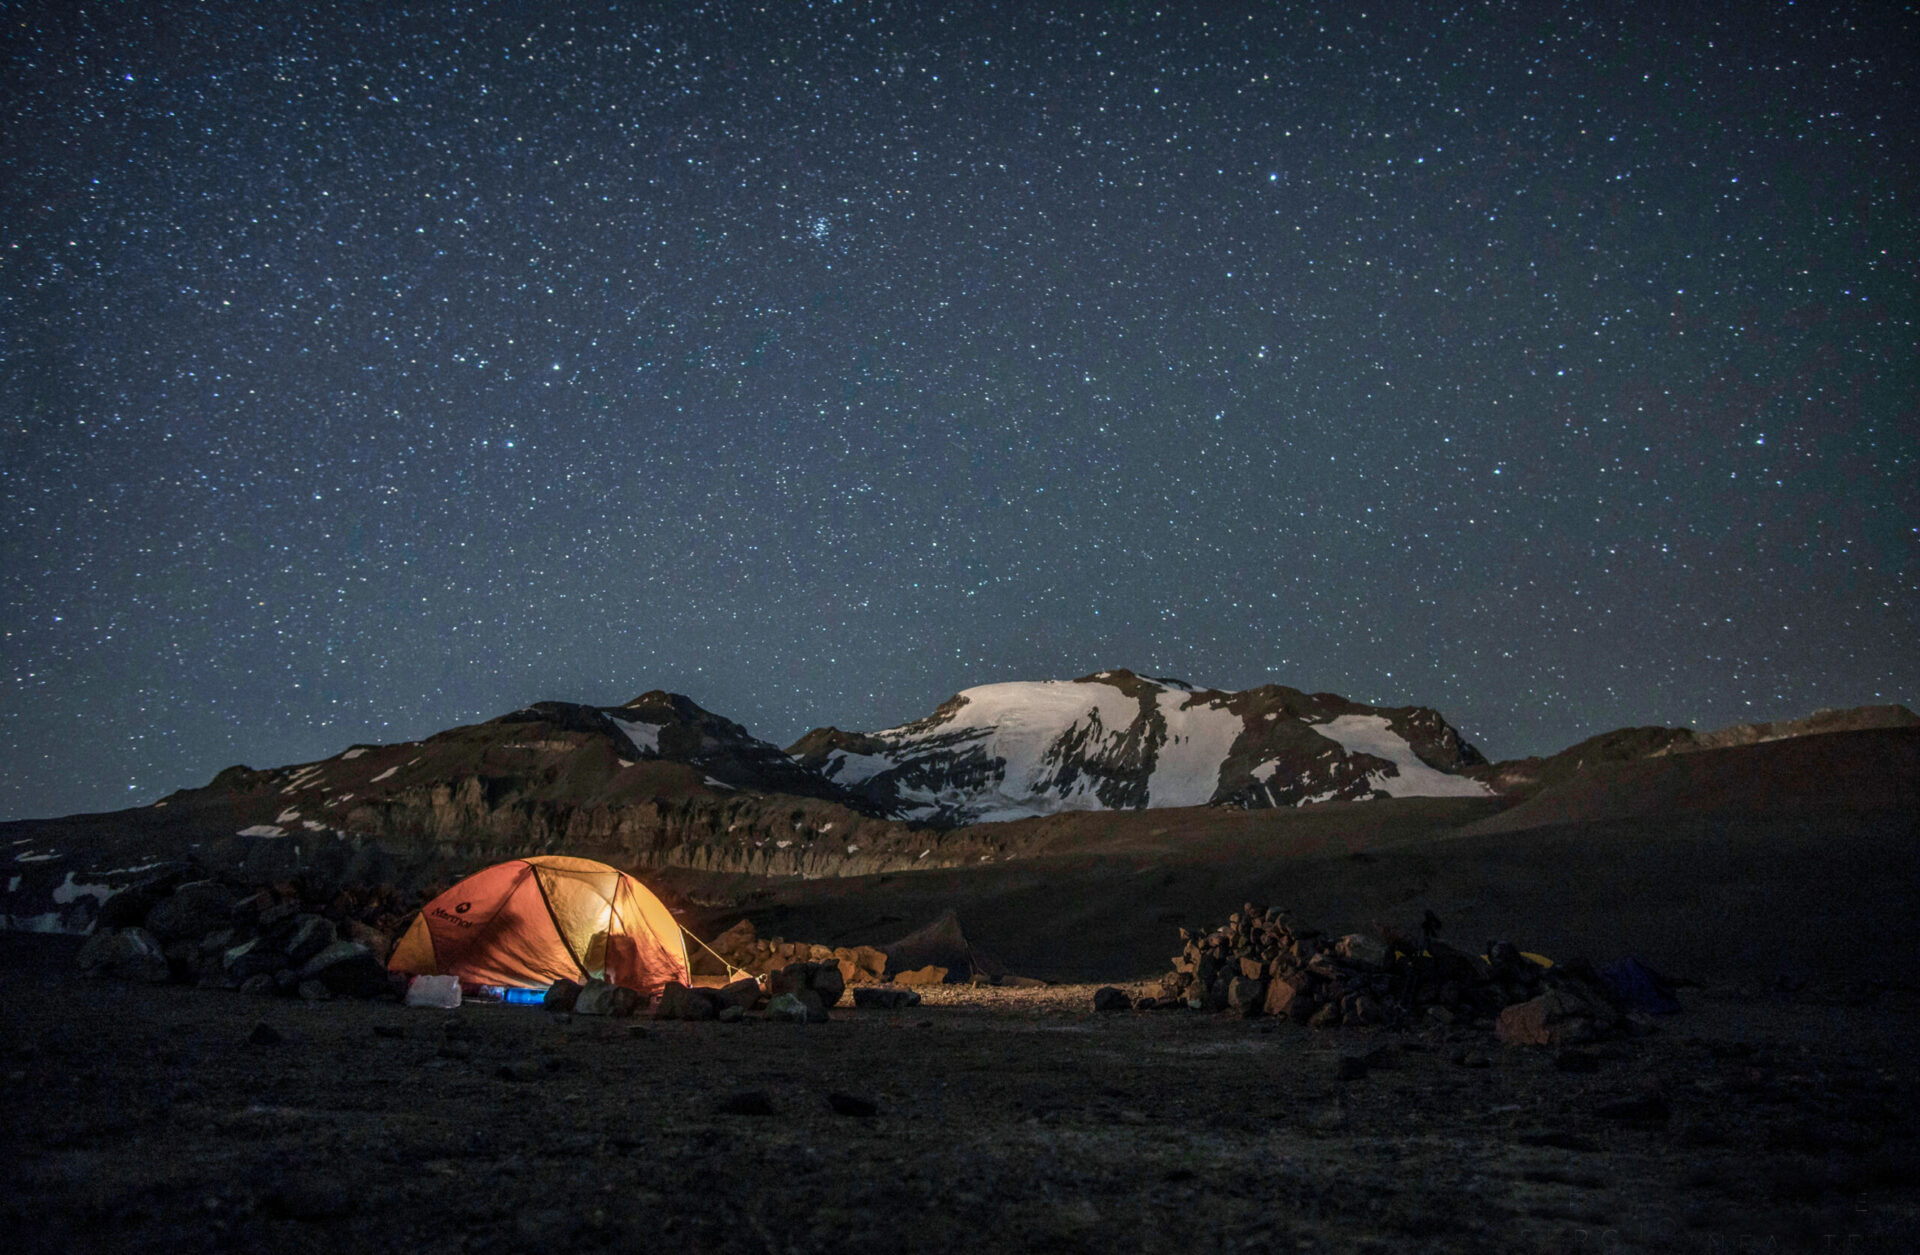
<point>662,783</point>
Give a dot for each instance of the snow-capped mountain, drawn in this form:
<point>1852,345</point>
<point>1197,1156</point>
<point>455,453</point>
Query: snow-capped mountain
<point>1119,741</point>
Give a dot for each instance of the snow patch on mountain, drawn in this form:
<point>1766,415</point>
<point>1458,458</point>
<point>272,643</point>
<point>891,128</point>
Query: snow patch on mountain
<point>1369,734</point>
<point>1199,738</point>
<point>844,767</point>
<point>645,736</point>
<point>1123,741</point>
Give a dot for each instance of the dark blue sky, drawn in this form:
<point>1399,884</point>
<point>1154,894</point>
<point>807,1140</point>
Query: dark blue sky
<point>382,367</point>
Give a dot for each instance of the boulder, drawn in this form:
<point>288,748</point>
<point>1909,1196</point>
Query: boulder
<point>1246,995</point>
<point>792,978</point>
<point>347,967</point>
<point>744,994</point>
<point>930,975</point>
<point>310,935</point>
<point>315,991</point>
<point>250,959</point>
<point>561,994</point>
<point>871,961</point>
<point>129,907</point>
<point>672,1003</point>
<point>191,911</point>
<point>803,1007</point>
<point>217,942</point>
<point>1107,998</point>
<point>597,997</point>
<point>130,953</point>
<point>829,982</point>
<point>1287,995</point>
<point>259,985</point>
<point>736,940</point>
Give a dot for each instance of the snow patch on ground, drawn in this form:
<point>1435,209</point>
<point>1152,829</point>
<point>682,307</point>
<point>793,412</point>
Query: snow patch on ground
<point>51,922</point>
<point>70,890</point>
<point>645,736</point>
<point>1199,738</point>
<point>1369,734</point>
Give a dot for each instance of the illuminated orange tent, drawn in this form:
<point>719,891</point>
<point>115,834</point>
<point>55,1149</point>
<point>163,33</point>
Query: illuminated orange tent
<point>527,923</point>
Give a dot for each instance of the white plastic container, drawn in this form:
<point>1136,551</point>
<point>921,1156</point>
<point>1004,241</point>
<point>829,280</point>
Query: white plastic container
<point>434,991</point>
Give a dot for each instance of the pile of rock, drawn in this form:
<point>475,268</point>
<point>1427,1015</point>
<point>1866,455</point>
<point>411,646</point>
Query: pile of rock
<point>802,992</point>
<point>265,940</point>
<point>743,951</point>
<point>1259,962</point>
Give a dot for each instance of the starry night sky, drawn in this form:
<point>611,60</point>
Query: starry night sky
<point>388,366</point>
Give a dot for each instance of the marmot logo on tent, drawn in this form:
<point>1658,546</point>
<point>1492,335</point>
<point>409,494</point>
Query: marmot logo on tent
<point>441,912</point>
<point>464,907</point>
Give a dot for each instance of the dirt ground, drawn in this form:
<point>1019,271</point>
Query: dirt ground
<point>150,1118</point>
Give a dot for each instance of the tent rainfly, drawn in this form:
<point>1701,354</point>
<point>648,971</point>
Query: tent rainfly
<point>529,922</point>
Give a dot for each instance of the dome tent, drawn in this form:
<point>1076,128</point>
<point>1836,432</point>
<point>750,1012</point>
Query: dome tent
<point>531,921</point>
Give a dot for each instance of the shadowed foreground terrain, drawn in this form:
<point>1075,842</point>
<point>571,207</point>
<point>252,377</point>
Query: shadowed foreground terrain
<point>152,1118</point>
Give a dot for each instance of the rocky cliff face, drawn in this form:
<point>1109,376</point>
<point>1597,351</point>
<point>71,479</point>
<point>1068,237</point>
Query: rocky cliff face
<point>1119,741</point>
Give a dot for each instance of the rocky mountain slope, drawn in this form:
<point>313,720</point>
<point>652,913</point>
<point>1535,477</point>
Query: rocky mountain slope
<point>1524,777</point>
<point>660,783</point>
<point>1119,741</point>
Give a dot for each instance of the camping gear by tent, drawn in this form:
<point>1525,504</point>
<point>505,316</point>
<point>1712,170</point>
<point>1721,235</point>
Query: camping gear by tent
<point>532,921</point>
<point>1639,987</point>
<point>942,944</point>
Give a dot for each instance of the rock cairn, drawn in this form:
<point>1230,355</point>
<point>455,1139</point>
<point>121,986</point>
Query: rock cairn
<point>1261,963</point>
<point>273,939</point>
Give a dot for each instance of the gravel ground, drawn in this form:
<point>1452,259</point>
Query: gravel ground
<point>165,1118</point>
